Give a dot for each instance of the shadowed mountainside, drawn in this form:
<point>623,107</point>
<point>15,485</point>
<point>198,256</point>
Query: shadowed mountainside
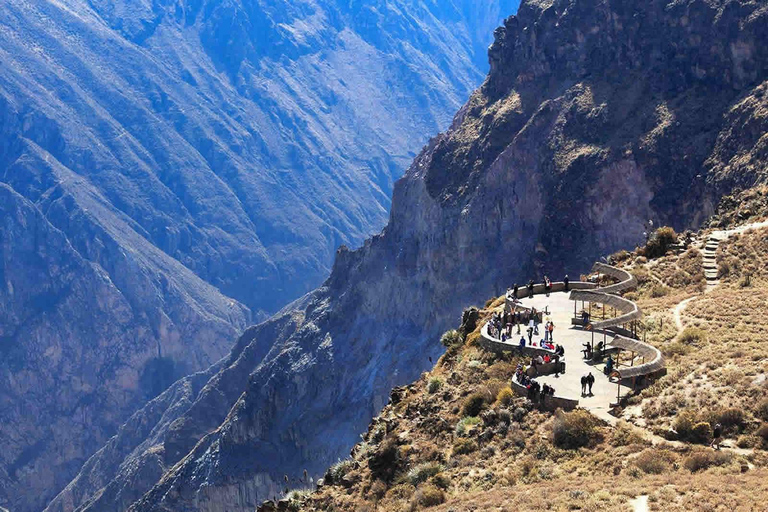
<point>173,170</point>
<point>595,117</point>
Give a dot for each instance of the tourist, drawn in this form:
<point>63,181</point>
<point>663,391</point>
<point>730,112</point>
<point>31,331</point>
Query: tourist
<point>590,382</point>
<point>717,433</point>
<point>522,343</point>
<point>551,329</point>
<point>539,359</point>
<point>566,282</point>
<point>609,366</point>
<point>547,285</point>
<point>584,380</point>
<point>515,290</point>
<point>547,359</point>
<point>530,335</point>
<point>530,288</point>
<point>584,318</point>
<point>544,393</point>
<point>587,351</point>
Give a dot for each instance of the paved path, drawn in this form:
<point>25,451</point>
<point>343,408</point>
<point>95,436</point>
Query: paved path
<point>572,339</point>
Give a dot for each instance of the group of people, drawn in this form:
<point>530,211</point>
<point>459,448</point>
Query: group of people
<point>515,291</point>
<point>502,324</point>
<point>536,392</point>
<point>589,354</point>
<point>587,381</point>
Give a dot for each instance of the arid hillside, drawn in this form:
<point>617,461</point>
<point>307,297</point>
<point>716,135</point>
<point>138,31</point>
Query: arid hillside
<point>460,439</point>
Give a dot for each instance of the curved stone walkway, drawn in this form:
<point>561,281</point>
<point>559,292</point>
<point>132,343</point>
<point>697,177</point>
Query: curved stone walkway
<point>572,338</point>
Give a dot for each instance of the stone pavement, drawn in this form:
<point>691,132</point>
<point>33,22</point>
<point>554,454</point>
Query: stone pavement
<point>572,339</point>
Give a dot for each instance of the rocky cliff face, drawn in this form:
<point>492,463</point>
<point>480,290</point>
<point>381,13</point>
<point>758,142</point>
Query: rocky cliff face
<point>596,116</point>
<point>158,158</point>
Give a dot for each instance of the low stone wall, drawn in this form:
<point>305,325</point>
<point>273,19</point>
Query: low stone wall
<point>547,369</point>
<point>491,344</point>
<point>538,289</point>
<point>551,403</point>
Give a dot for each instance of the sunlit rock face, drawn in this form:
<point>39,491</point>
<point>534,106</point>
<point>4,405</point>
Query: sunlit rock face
<point>173,171</point>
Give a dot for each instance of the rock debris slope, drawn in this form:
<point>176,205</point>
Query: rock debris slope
<point>168,166</point>
<point>596,116</point>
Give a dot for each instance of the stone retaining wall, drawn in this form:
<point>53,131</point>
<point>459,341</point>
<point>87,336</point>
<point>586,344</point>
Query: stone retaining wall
<point>491,344</point>
<point>551,403</point>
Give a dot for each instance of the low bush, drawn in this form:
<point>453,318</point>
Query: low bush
<point>466,424</point>
<point>692,336</point>
<point>473,405</point>
<point>575,429</point>
<point>464,446</point>
<point>505,396</point>
<point>451,338</point>
<point>762,432</point>
<point>442,481</point>
<point>385,461</point>
<point>659,290</point>
<point>423,472</point>
<point>659,242</point>
<point>762,409</point>
<point>434,385</point>
<point>625,434</point>
<point>654,462</point>
<point>701,433</point>
<point>701,460</point>
<point>428,496</point>
<point>732,418</point>
<point>338,471</point>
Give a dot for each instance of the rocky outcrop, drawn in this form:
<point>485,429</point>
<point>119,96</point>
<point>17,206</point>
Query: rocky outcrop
<point>179,154</point>
<point>596,117</point>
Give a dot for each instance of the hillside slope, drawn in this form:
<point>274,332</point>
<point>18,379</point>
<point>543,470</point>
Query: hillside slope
<point>191,161</point>
<point>596,116</point>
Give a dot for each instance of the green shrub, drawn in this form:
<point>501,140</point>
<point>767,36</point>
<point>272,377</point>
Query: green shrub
<point>423,472</point>
<point>692,336</point>
<point>466,424</point>
<point>464,446</point>
<point>505,396</point>
<point>473,405</point>
<point>451,338</point>
<point>429,496</point>
<point>575,429</point>
<point>689,429</point>
<point>732,418</point>
<point>660,242</point>
<point>701,460</point>
<point>338,471</point>
<point>659,290</point>
<point>434,385</point>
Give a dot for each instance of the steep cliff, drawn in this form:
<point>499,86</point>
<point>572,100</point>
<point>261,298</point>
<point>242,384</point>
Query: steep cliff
<point>179,153</point>
<point>596,116</point>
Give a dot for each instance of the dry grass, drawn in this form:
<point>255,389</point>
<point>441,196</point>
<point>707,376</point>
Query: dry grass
<point>719,362</point>
<point>467,444</point>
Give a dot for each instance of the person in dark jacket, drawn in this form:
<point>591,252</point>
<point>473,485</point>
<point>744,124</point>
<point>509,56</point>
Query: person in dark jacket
<point>566,282</point>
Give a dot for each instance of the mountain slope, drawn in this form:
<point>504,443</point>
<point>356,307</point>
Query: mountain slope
<point>197,164</point>
<point>596,116</point>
